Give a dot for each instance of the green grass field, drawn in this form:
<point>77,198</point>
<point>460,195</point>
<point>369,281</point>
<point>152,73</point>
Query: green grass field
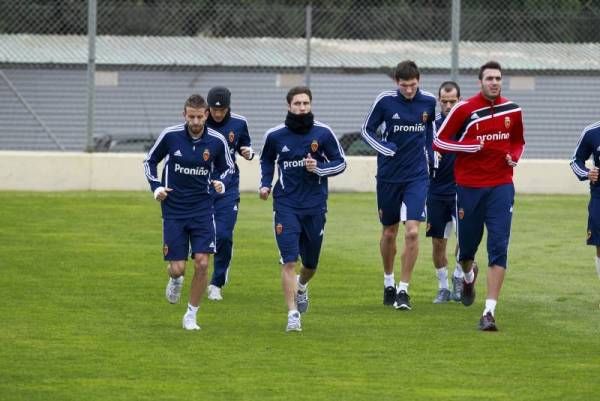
<point>83,314</point>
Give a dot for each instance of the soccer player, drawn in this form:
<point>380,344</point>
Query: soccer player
<point>441,202</point>
<point>589,145</point>
<point>196,161</point>
<point>234,128</point>
<point>306,152</point>
<point>486,133</point>
<point>399,127</point>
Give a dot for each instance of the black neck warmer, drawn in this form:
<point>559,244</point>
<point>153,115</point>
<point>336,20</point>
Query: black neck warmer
<point>212,122</point>
<point>300,123</point>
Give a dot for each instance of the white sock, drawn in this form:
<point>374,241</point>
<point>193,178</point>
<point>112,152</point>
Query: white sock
<point>192,310</point>
<point>388,280</point>
<point>469,277</point>
<point>598,266</point>
<point>301,287</point>
<point>291,312</point>
<point>458,273</point>
<point>490,306</point>
<point>442,275</point>
<point>402,286</point>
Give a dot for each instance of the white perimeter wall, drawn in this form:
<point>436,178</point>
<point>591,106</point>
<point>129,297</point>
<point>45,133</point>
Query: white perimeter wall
<point>57,171</point>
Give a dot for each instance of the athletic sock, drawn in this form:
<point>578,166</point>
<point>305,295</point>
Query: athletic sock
<point>442,275</point>
<point>301,287</point>
<point>291,312</point>
<point>192,310</point>
<point>490,306</point>
<point>458,273</point>
<point>388,280</point>
<point>469,277</point>
<point>402,286</point>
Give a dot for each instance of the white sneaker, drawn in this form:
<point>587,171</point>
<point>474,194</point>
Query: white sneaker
<point>293,323</point>
<point>214,293</point>
<point>173,290</point>
<point>189,322</point>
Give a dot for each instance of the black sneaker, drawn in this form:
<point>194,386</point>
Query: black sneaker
<point>389,295</point>
<point>402,301</point>
<point>468,292</point>
<point>487,323</point>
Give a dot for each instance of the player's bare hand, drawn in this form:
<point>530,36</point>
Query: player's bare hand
<point>218,186</point>
<point>593,175</point>
<point>309,163</point>
<point>264,192</point>
<point>161,193</point>
<point>246,152</point>
<point>510,161</point>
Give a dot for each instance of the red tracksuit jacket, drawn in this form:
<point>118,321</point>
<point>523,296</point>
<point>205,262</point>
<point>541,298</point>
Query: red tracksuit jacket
<point>498,124</point>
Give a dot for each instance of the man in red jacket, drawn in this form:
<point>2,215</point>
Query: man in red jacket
<point>486,133</point>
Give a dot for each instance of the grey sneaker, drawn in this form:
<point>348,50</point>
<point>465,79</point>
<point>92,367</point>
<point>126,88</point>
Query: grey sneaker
<point>173,290</point>
<point>457,288</point>
<point>302,301</point>
<point>487,323</point>
<point>293,323</point>
<point>442,296</point>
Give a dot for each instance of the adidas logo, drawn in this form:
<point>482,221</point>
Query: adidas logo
<point>285,149</point>
<point>177,153</point>
<point>396,117</point>
<point>212,245</point>
<point>474,116</point>
<point>321,233</point>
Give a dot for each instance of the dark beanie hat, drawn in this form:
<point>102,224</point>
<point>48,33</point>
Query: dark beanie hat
<point>219,96</point>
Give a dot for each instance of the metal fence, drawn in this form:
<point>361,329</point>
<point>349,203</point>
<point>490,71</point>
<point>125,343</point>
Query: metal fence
<point>151,54</point>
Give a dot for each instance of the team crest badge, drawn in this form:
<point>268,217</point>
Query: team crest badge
<point>231,136</point>
<point>461,213</point>
<point>314,146</point>
<point>425,117</point>
<point>589,234</point>
<point>507,122</point>
<point>279,228</point>
<point>165,249</point>
<point>206,155</point>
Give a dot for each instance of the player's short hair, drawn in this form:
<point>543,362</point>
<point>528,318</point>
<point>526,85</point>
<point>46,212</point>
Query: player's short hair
<point>406,70</point>
<point>491,65</point>
<point>297,90</point>
<point>195,101</point>
<point>449,86</point>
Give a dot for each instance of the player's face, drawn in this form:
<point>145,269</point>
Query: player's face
<point>195,119</point>
<point>300,104</point>
<point>218,113</point>
<point>491,83</point>
<point>408,88</point>
<point>447,100</point>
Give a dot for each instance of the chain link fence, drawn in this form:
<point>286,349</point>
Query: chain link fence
<point>151,54</point>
